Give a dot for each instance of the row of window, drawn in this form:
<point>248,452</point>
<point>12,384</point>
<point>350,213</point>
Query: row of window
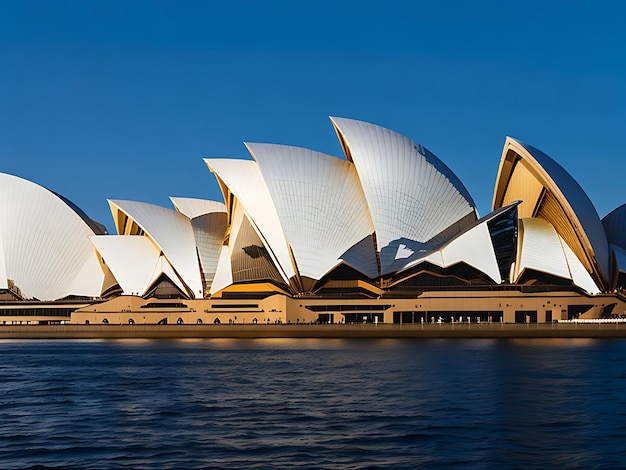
<point>36,312</point>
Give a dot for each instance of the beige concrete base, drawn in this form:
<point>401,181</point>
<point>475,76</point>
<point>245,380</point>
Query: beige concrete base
<point>496,306</point>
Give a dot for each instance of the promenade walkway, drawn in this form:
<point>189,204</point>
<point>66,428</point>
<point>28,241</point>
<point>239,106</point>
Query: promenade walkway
<point>429,330</point>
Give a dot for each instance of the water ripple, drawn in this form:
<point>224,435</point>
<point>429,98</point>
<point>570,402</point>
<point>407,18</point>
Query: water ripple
<point>335,404</point>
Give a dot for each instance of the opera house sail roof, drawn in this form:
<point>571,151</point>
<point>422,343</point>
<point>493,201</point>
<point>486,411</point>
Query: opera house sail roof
<point>411,194</point>
<point>548,192</point>
<point>321,207</point>
<point>386,218</point>
<point>45,251</point>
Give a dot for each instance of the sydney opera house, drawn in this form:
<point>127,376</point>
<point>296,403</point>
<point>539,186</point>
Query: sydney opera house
<point>387,233</point>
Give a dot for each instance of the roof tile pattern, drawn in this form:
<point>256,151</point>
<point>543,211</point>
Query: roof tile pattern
<point>172,233</point>
<point>320,204</point>
<point>45,244</point>
<point>411,194</point>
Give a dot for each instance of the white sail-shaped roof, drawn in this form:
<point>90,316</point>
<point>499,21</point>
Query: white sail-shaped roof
<point>579,274</point>
<point>320,203</point>
<point>435,258</point>
<point>362,256</point>
<point>163,267</point>
<point>411,194</point>
<point>223,274</point>
<point>249,257</point>
<point>45,242</point>
<point>541,249</point>
<point>84,279</point>
<point>209,230</point>
<point>134,261</point>
<point>580,203</point>
<point>192,207</point>
<point>171,232</point>
<point>550,192</point>
<point>4,284</point>
<point>474,248</point>
<point>209,222</point>
<point>244,180</point>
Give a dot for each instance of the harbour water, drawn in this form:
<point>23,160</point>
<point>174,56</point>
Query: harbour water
<point>328,403</point>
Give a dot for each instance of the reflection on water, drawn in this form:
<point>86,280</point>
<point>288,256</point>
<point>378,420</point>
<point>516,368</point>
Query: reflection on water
<point>276,403</point>
<point>554,342</point>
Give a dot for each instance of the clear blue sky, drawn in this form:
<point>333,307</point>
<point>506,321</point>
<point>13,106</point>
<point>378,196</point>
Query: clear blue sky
<point>123,99</point>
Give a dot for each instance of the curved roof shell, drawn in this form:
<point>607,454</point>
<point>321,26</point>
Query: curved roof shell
<point>543,249</point>
<point>411,194</point>
<point>209,230</point>
<point>134,261</point>
<point>474,247</point>
<point>169,230</point>
<point>45,243</point>
<point>250,260</point>
<point>550,193</point>
<point>243,180</point>
<point>209,222</point>
<point>223,273</point>
<point>580,276</point>
<point>192,207</point>
<point>540,249</point>
<point>362,257</point>
<point>320,203</point>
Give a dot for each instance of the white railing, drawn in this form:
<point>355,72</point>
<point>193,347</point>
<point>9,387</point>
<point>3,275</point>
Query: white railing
<point>594,320</point>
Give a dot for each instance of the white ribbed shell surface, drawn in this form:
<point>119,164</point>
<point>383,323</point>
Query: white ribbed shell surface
<point>580,203</point>
<point>410,192</point>
<point>474,247</point>
<point>245,181</point>
<point>320,203</point>
<point>173,234</point>
<point>209,223</point>
<point>134,261</point>
<point>581,219</point>
<point>541,249</point>
<point>46,247</point>
<point>192,207</point>
<point>3,267</point>
<point>579,274</point>
<point>223,274</point>
<point>249,258</point>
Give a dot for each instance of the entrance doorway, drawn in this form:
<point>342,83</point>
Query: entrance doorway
<point>526,316</point>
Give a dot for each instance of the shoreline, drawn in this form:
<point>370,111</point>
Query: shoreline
<point>336,331</point>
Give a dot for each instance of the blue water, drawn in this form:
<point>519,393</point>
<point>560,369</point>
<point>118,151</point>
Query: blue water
<point>313,403</point>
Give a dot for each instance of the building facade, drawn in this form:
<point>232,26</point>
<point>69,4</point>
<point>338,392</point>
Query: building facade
<point>385,233</point>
